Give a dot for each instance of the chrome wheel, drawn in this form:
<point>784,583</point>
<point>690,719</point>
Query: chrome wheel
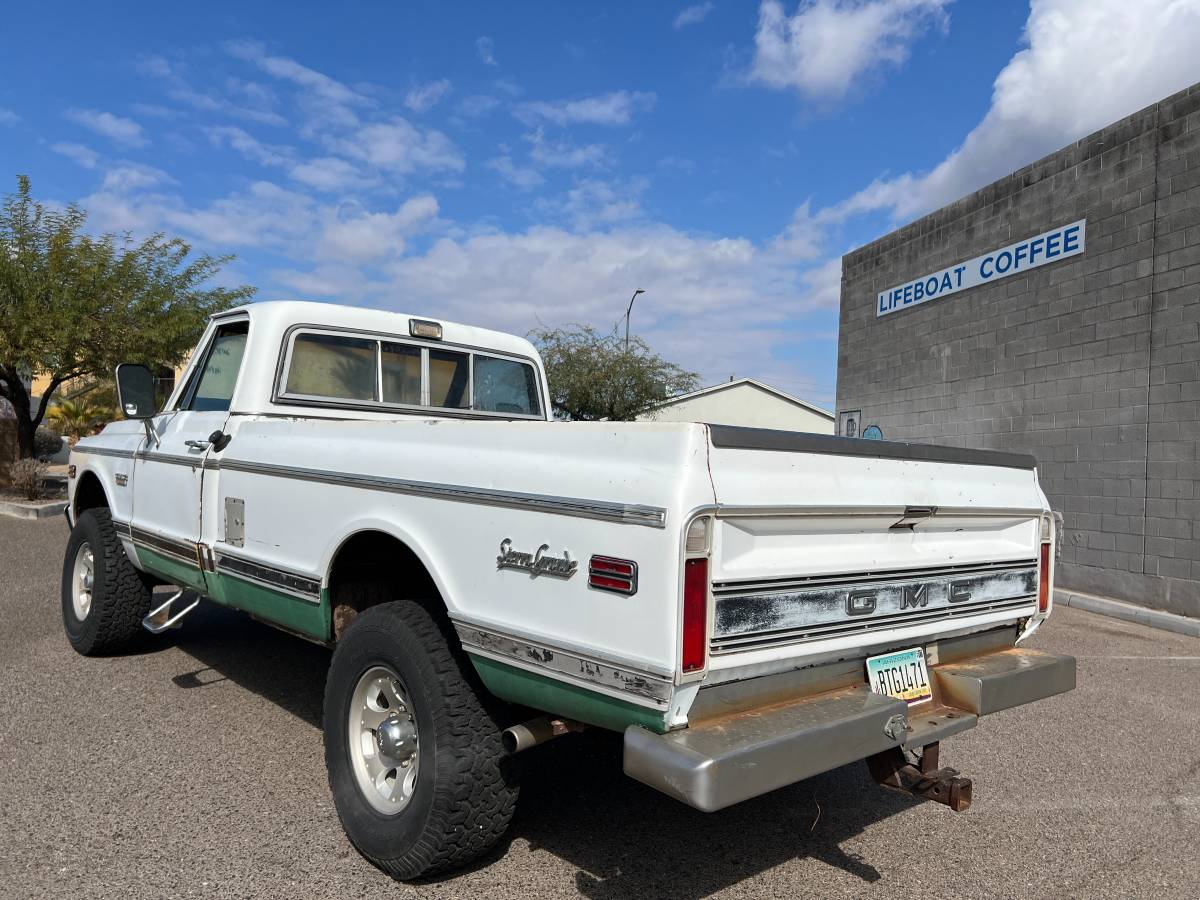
<point>82,580</point>
<point>382,740</point>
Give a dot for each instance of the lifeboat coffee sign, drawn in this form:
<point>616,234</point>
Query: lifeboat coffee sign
<point>1022,256</point>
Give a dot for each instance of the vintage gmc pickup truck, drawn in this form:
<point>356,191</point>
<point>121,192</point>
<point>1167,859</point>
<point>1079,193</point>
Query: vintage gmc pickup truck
<point>747,607</point>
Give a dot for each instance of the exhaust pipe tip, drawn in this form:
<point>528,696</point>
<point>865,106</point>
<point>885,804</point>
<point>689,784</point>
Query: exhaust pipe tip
<point>536,731</point>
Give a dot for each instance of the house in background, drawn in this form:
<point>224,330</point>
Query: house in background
<point>743,402</point>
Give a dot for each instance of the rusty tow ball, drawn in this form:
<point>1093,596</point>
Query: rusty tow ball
<point>892,770</point>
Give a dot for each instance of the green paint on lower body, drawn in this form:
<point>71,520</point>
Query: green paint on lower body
<point>304,616</point>
<point>293,613</point>
<point>172,570</point>
<point>566,700</point>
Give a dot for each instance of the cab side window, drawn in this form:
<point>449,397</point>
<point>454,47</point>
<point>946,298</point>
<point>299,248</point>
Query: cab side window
<point>211,386</point>
<point>334,366</point>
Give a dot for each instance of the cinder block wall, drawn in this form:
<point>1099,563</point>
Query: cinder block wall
<point>1090,364</point>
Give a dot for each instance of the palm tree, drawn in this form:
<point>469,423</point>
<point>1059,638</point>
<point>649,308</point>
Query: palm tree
<point>76,418</point>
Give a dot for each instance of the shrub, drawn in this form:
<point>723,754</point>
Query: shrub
<point>46,443</point>
<point>27,475</point>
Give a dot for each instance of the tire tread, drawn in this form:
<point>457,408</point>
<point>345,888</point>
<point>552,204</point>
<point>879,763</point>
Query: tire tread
<point>472,808</point>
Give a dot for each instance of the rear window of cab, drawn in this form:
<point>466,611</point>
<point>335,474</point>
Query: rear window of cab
<point>365,371</point>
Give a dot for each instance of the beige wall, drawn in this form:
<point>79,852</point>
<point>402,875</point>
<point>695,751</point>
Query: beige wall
<point>743,404</point>
<point>41,382</point>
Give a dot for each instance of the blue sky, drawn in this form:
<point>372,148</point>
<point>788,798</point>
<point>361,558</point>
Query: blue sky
<point>502,164</point>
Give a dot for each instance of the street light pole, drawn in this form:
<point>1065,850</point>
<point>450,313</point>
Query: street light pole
<point>628,313</point>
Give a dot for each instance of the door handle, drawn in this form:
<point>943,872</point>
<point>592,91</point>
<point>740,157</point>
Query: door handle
<point>196,445</point>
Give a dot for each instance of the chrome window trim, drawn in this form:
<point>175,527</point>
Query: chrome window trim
<point>604,510</point>
<point>199,360</point>
<point>281,397</point>
<point>280,388</point>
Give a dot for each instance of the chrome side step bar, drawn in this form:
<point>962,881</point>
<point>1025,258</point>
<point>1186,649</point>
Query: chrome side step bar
<point>160,618</point>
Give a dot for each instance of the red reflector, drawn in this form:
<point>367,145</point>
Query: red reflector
<point>609,574</point>
<point>1044,579</point>
<point>695,614</point>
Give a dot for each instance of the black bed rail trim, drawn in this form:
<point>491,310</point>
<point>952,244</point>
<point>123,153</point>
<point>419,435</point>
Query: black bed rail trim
<point>735,437</point>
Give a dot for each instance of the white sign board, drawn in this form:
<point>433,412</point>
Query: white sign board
<point>1048,247</point>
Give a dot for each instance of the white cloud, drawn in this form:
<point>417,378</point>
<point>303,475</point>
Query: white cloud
<point>521,177</point>
<point>399,147</point>
<point>249,146</point>
<point>564,155</point>
<point>477,105</point>
<point>125,132</point>
<point>693,15</point>
<point>592,203</point>
<point>77,153</point>
<point>129,177</point>
<point>366,237</point>
<point>324,101</point>
<point>254,102</point>
<point>287,69</point>
<point>426,96</point>
<point>344,284</point>
<point>485,48</point>
<point>828,45</point>
<point>822,285</point>
<point>712,304</point>
<point>329,173</point>
<point>615,108</point>
<point>8,117</point>
<point>1087,63</point>
<point>266,215</point>
<point>804,237</point>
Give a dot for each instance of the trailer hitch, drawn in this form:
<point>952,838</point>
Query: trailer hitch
<point>892,770</point>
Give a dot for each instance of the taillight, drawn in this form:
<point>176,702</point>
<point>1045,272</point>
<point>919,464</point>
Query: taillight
<point>695,614</point>
<point>606,573</point>
<point>1044,578</point>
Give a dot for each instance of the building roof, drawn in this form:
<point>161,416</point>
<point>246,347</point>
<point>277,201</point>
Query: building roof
<point>727,385</point>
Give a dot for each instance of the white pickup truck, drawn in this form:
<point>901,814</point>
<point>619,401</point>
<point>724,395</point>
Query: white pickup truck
<point>748,607</point>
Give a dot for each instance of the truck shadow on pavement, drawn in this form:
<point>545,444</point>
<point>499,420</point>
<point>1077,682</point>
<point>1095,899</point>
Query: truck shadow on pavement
<point>624,839</point>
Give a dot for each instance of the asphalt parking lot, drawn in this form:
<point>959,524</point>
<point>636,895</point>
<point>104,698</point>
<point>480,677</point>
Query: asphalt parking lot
<point>194,769</point>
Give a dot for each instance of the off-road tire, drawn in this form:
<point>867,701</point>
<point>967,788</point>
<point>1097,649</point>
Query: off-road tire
<point>466,787</point>
<point>120,595</point>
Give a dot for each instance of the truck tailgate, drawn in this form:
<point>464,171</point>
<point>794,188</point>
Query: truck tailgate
<point>823,544</point>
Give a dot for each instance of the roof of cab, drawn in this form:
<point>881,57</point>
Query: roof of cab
<point>283,314</point>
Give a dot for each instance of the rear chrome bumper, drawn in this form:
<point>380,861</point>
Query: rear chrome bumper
<point>731,758</point>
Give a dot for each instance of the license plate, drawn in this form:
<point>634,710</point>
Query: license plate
<point>902,675</point>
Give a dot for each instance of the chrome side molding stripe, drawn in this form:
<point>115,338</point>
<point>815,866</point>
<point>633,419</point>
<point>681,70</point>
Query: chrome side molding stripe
<point>604,510</point>
<point>635,686</point>
<point>294,584</point>
<point>160,543</point>
<point>623,513</point>
<point>103,451</point>
<point>303,587</point>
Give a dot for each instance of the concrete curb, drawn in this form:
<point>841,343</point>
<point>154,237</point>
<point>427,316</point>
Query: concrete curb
<point>1155,618</point>
<point>19,510</point>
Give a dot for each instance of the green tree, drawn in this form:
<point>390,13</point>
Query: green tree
<point>73,305</point>
<point>594,376</point>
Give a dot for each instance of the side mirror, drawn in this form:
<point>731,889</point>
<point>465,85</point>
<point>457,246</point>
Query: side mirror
<point>135,391</point>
